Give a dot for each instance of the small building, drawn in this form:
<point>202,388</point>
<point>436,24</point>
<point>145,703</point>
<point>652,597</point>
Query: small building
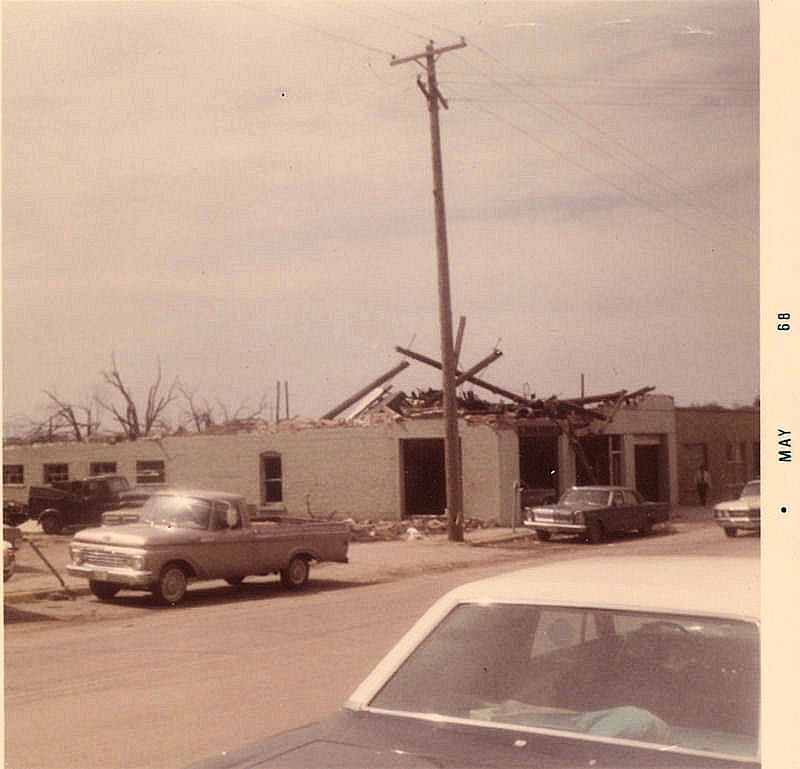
<point>726,441</point>
<point>389,463</point>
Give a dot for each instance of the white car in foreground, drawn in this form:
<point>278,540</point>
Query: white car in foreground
<point>611,662</point>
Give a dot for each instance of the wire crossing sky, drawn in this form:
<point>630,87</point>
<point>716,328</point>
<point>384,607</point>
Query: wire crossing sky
<point>242,191</point>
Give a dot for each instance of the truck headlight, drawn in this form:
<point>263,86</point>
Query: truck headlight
<point>137,562</point>
<point>77,554</point>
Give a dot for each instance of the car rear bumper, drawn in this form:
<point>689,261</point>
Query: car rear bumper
<point>117,575</point>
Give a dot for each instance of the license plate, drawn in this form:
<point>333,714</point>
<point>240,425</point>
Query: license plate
<point>100,575</point>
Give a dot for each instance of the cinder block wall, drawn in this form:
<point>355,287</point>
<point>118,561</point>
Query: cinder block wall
<point>353,471</point>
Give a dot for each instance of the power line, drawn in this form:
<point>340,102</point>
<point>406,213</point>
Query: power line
<point>314,28</point>
<point>626,193</point>
<point>616,142</point>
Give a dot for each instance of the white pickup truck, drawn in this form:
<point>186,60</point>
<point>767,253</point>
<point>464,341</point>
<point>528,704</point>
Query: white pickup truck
<point>182,535</point>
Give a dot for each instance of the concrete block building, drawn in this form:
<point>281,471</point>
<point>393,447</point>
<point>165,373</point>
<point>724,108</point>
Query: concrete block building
<point>386,468</point>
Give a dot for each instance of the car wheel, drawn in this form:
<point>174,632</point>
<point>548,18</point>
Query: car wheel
<point>171,585</point>
<point>235,581</point>
<point>50,523</point>
<point>594,533</point>
<point>730,531</point>
<point>542,535</point>
<point>103,590</point>
<point>646,527</point>
<point>295,575</point>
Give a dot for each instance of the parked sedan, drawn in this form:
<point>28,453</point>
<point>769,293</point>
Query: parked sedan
<point>742,513</point>
<point>595,511</point>
<point>613,662</point>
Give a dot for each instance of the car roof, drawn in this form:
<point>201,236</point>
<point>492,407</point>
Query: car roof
<point>600,487</point>
<point>709,585</point>
<point>200,494</point>
<point>705,586</point>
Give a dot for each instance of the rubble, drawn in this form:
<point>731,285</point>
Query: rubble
<point>414,528</point>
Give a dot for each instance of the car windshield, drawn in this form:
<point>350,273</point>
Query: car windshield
<point>679,681</point>
<point>584,497</point>
<point>173,510</point>
<point>752,489</point>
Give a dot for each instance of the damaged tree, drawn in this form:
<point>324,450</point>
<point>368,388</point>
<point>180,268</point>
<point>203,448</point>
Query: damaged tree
<point>127,416</point>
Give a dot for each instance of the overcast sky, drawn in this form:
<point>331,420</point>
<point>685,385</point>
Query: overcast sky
<point>243,192</point>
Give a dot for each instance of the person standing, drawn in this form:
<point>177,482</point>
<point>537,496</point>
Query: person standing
<point>703,480</point>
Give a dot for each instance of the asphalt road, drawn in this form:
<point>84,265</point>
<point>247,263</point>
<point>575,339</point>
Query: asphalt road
<point>164,687</point>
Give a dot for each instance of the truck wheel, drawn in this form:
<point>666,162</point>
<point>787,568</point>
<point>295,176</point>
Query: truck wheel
<point>730,531</point>
<point>646,527</point>
<point>594,532</point>
<point>50,523</point>
<point>171,585</point>
<point>295,575</point>
<point>542,535</point>
<point>103,590</point>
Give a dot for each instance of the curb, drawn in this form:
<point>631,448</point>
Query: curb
<point>53,594</point>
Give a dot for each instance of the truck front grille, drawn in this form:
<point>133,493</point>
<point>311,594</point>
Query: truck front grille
<point>105,558</point>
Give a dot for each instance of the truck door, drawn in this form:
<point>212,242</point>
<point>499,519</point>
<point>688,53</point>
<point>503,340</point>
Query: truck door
<point>228,545</point>
<point>96,498</point>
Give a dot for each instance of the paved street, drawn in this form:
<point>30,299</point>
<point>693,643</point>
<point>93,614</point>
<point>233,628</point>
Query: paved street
<point>131,685</point>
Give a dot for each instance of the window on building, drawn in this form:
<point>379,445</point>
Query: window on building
<point>13,475</point>
<point>272,478</point>
<point>150,471</point>
<point>55,472</point>
<point>102,468</point>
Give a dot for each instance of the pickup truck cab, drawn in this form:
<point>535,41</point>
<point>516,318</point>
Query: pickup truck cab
<point>594,512</point>
<point>80,502</point>
<point>185,535</point>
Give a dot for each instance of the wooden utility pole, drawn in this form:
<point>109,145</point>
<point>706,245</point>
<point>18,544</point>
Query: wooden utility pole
<point>452,452</point>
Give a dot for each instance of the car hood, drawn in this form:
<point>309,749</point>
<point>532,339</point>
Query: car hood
<point>565,508</point>
<point>139,535</point>
<point>362,740</point>
<point>743,503</point>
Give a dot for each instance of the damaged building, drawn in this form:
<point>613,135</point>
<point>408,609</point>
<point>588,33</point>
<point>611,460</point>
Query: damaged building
<point>380,455</point>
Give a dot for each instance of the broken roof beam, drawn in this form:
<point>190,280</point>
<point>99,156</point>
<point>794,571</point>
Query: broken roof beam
<point>366,390</point>
<point>479,366</point>
<point>623,394</point>
<point>486,385</point>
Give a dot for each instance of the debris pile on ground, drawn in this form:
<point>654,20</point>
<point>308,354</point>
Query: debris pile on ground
<point>418,527</point>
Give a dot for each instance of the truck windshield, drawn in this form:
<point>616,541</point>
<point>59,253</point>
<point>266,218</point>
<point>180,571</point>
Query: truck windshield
<point>118,484</point>
<point>173,510</point>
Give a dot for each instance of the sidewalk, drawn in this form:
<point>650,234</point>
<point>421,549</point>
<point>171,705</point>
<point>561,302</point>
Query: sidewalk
<point>368,561</point>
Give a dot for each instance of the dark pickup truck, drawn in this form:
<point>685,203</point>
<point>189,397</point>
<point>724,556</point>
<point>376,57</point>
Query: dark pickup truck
<point>82,502</point>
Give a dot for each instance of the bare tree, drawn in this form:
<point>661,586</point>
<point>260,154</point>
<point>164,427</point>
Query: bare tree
<point>127,415</point>
<point>200,415</point>
<point>203,417</point>
<point>82,420</point>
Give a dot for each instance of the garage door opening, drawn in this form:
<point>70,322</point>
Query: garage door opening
<point>538,468</point>
<point>425,492</point>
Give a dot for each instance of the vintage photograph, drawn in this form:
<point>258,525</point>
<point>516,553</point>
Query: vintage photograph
<point>382,384</point>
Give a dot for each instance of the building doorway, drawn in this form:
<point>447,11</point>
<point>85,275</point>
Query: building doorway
<point>538,467</point>
<point>424,488</point>
<point>647,472</point>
